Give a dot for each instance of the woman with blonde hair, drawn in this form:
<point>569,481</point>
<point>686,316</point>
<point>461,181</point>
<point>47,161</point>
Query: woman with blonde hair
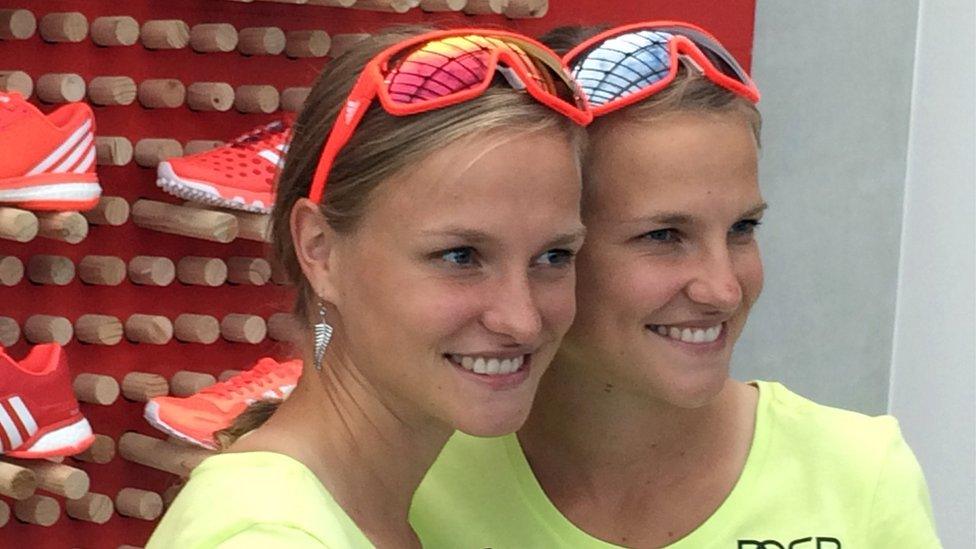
<point>428,213</point>
<point>639,437</point>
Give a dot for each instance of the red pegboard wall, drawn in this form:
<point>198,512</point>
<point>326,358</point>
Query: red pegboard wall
<point>731,20</point>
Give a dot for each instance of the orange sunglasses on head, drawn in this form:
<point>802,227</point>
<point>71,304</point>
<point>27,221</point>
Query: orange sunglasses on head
<point>444,68</point>
<point>626,64</point>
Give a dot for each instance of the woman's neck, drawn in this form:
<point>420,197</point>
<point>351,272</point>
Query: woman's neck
<point>368,452</point>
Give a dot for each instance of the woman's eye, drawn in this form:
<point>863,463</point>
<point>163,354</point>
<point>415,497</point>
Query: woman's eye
<point>661,235</point>
<point>745,227</point>
<point>557,257</point>
<point>459,256</point>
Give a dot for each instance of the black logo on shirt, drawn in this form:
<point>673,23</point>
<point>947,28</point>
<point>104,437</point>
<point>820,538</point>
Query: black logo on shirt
<point>802,543</point>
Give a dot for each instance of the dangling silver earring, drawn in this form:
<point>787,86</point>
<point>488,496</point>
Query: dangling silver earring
<point>323,334</point>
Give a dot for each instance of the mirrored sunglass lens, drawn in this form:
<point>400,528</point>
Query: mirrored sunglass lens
<point>623,65</point>
<point>438,69</point>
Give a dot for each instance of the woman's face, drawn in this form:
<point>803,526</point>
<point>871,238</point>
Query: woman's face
<point>458,284</point>
<point>671,266</point>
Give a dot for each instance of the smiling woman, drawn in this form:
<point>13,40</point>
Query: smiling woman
<point>428,211</point>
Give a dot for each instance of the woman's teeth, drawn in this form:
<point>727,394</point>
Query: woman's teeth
<point>689,335</point>
<point>488,366</point>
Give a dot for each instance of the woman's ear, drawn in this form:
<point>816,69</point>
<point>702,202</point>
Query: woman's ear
<point>314,241</point>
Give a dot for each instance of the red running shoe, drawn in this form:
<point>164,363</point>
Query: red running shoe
<point>48,162</point>
<point>196,418</point>
<point>39,415</point>
<point>239,175</point>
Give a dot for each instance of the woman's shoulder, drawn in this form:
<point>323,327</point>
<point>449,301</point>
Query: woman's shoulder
<point>239,494</point>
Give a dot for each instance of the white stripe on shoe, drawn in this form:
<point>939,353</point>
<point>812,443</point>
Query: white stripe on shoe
<point>87,162</point>
<point>76,153</point>
<point>63,149</point>
<point>26,419</point>
<point>13,434</point>
<point>270,156</point>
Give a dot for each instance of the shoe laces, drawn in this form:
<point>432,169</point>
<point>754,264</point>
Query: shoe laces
<point>247,383</point>
<point>258,137</point>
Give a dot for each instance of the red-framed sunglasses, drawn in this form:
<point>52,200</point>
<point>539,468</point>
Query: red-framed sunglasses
<point>626,64</point>
<point>442,68</point>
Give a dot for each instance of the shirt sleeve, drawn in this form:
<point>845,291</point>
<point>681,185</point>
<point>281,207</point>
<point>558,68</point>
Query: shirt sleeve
<point>901,514</point>
<point>262,536</point>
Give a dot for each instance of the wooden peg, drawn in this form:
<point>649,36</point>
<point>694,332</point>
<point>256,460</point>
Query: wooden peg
<point>17,24</point>
<point>185,383</point>
<point>151,271</point>
<point>395,6</point>
<point>341,43</point>
<point>253,271</point>
<point>242,328</point>
<point>9,331</point>
<point>256,99</point>
<point>332,3</point>
<point>292,99</point>
<point>115,31</point>
<point>227,374</point>
<point>159,454</point>
<point>70,227</point>
<point>16,482</point>
<point>210,96</point>
<point>11,270</point>
<point>98,329</point>
<point>261,41</point>
<point>192,328</point>
<point>55,270</point>
<point>110,210</point>
<point>485,7</point>
<point>16,81</point>
<point>165,34</point>
<point>151,329</point>
<point>201,271</point>
<point>101,270</point>
<point>57,478</point>
<point>213,37</point>
<point>140,504</point>
<point>284,327</point>
<point>101,451</point>
<point>64,27</point>
<point>38,509</point>
<point>48,329</point>
<point>180,220</point>
<point>96,389</point>
<point>112,90</point>
<point>161,93</point>
<point>91,507</point>
<point>113,151</point>
<point>4,513</point>
<point>526,9</point>
<point>18,225</point>
<point>251,225</point>
<point>150,152</point>
<point>142,386</point>
<point>196,146</point>
<point>307,43</point>
<point>442,5</point>
<point>60,88</point>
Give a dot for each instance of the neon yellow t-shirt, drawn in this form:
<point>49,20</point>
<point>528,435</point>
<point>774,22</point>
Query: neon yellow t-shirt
<point>259,500</point>
<point>815,478</point>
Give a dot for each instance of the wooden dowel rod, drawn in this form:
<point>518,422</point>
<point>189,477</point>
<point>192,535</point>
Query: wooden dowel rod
<point>18,225</point>
<point>192,328</point>
<point>11,270</point>
<point>48,329</point>
<point>140,504</point>
<point>159,454</point>
<point>98,329</point>
<point>101,270</point>
<point>57,478</point>
<point>91,507</point>
<point>142,386</point>
<point>38,509</point>
<point>101,451</point>
<point>70,227</point>
<point>115,31</point>
<point>151,271</point>
<point>96,389</point>
<point>9,331</point>
<point>17,24</point>
<point>168,218</point>
<point>151,329</point>
<point>110,210</point>
<point>16,482</point>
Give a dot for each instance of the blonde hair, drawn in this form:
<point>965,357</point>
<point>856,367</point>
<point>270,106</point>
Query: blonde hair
<point>382,146</point>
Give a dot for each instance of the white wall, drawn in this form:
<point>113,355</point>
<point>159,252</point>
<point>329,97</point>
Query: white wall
<point>933,381</point>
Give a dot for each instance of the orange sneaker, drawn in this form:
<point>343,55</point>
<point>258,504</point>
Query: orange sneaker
<point>196,418</point>
<point>239,175</point>
<point>39,415</point>
<point>48,162</point>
